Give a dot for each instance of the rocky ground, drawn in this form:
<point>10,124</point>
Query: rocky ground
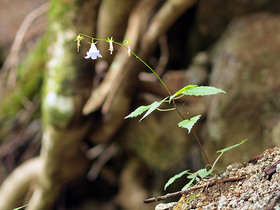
<point>254,185</point>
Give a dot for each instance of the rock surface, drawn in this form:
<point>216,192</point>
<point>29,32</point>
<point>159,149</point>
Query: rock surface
<point>258,189</point>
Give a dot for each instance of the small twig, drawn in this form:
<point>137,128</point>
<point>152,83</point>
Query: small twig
<point>273,204</point>
<point>272,168</point>
<point>209,184</point>
<point>270,191</point>
<point>255,159</point>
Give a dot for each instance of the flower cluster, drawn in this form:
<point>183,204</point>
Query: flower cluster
<point>94,53</point>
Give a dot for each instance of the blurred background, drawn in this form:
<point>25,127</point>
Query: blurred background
<point>64,143</point>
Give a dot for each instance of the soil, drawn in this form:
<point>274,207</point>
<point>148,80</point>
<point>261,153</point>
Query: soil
<point>254,185</point>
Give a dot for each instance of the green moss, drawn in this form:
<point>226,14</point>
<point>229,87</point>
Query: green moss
<point>29,81</point>
<point>27,88</point>
<point>58,109</point>
<point>58,93</point>
<point>60,10</point>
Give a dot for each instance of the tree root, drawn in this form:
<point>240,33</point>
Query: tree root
<point>19,183</point>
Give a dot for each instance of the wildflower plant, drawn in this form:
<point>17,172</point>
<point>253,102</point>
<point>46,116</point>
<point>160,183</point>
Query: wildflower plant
<point>192,90</point>
<point>189,90</point>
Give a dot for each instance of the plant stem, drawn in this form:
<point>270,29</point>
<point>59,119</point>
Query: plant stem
<point>136,56</point>
<point>164,85</point>
<point>217,160</point>
<point>194,134</point>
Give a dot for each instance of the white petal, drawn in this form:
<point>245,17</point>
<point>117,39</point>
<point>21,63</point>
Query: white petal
<point>93,48</point>
<point>93,57</point>
<point>88,55</point>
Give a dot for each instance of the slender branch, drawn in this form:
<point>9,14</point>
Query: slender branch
<point>277,189</point>
<point>272,168</point>
<point>273,204</point>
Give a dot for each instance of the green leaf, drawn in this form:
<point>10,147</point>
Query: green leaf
<point>152,108</point>
<point>138,111</point>
<point>142,109</point>
<point>188,124</point>
<point>21,207</point>
<point>181,91</point>
<point>194,90</point>
<point>202,91</point>
<point>202,173</point>
<point>188,185</point>
<point>193,176</point>
<point>233,146</point>
<point>173,179</point>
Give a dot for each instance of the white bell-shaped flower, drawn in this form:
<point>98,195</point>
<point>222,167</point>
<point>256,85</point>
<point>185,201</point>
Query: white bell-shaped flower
<point>93,52</point>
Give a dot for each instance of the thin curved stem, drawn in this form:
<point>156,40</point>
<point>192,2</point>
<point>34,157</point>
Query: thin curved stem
<point>136,56</point>
<point>200,145</point>
<point>194,134</point>
<point>217,160</point>
<point>166,110</point>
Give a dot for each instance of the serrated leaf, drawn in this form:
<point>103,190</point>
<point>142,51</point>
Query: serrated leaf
<point>202,173</point>
<point>152,108</point>
<point>181,91</point>
<point>173,179</point>
<point>138,111</point>
<point>142,109</point>
<point>202,91</point>
<point>233,146</point>
<point>188,124</point>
